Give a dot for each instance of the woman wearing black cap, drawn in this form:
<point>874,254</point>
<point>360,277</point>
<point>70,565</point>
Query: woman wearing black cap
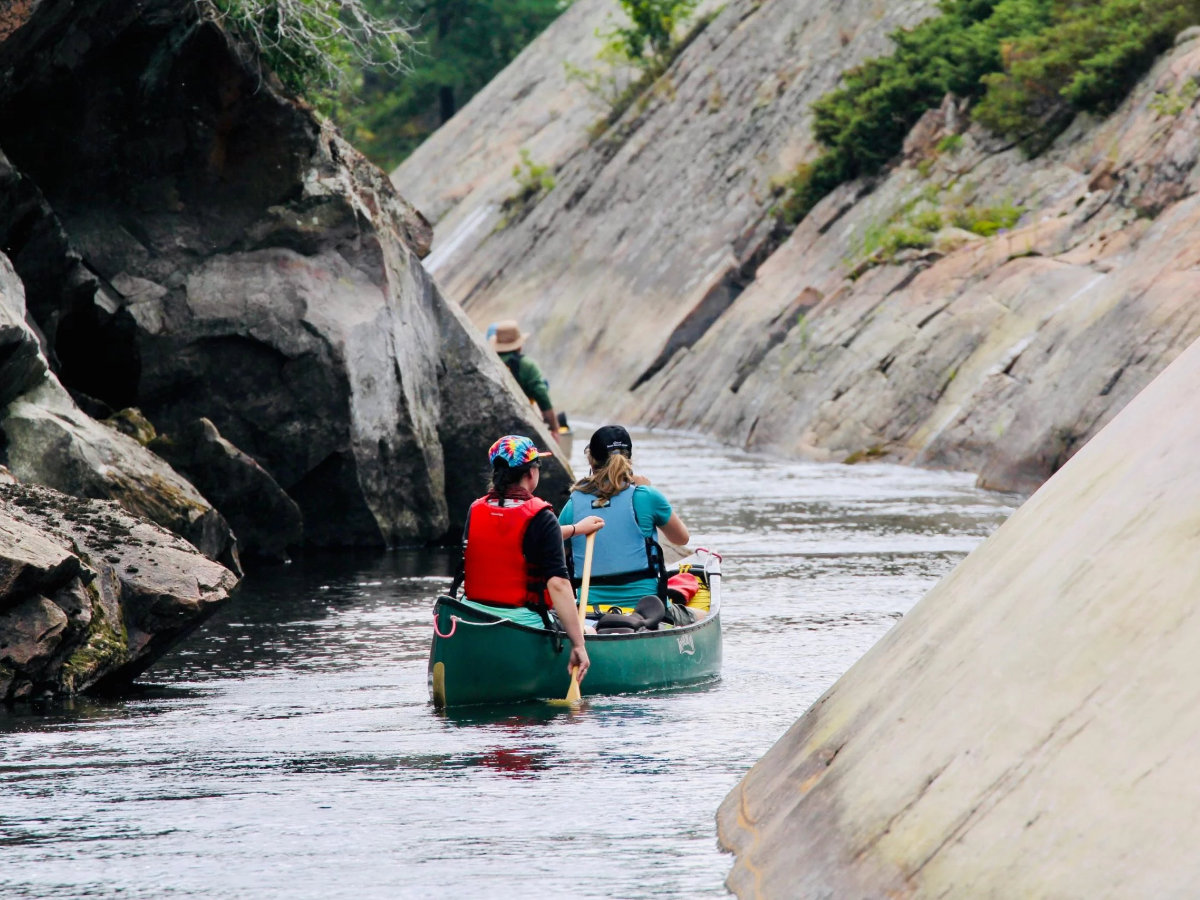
<point>627,563</point>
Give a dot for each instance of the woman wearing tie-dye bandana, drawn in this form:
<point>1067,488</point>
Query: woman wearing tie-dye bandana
<point>513,546</point>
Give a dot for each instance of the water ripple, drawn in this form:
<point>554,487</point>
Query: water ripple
<point>287,750</point>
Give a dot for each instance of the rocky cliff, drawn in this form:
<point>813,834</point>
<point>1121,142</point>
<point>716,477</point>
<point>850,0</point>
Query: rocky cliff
<point>662,286</point>
<point>212,312</point>
<point>196,244</point>
<point>48,440</point>
<point>1028,728</point>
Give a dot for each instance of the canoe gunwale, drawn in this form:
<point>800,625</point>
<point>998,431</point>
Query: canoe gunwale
<point>497,621</point>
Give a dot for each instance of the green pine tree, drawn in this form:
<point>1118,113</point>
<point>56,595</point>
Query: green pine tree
<point>460,46</point>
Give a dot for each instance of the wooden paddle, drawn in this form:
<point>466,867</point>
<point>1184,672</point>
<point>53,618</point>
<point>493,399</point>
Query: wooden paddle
<point>573,694</point>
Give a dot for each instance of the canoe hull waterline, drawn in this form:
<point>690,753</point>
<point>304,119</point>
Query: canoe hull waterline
<point>480,658</point>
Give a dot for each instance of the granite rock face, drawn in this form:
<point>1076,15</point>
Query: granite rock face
<point>999,355</point>
<point>653,227</point>
<point>194,243</point>
<point>1031,720</point>
<point>90,596</point>
<point>267,522</point>
<point>659,287</point>
<point>22,366</point>
<point>50,441</point>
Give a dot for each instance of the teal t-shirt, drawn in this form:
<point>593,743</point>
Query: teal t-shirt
<point>652,511</point>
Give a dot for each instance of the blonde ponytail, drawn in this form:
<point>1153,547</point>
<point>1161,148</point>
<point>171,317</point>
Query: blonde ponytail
<point>609,480</point>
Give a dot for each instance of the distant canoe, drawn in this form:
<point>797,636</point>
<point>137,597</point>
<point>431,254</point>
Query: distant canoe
<point>477,657</point>
<point>566,443</point>
<point>566,438</point>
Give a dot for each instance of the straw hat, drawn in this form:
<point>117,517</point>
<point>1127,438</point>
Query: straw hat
<point>508,336</point>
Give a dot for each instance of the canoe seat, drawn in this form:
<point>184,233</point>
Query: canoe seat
<point>650,610</point>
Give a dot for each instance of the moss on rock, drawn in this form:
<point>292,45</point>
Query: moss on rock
<point>106,648</point>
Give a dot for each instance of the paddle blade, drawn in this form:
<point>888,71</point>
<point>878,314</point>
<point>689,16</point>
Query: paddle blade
<point>573,693</point>
<point>439,685</point>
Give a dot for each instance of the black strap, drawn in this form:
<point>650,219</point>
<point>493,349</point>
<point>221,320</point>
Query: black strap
<point>537,600</point>
<point>536,589</point>
<point>541,610</point>
<point>552,625</point>
<point>514,364</point>
<point>622,578</point>
<point>461,575</point>
<point>657,559</point>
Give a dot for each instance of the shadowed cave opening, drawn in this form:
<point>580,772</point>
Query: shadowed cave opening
<point>98,356</point>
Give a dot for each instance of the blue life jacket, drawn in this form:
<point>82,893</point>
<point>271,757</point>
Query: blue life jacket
<point>622,553</point>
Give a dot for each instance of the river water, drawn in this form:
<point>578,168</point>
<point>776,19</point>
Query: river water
<point>288,749</point>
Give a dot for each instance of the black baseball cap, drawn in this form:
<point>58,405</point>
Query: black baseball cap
<point>609,439</point>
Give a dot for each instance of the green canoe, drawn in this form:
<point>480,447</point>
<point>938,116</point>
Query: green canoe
<point>477,657</point>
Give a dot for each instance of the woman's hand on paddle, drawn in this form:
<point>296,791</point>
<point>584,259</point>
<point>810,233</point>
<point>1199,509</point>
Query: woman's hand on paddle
<point>579,659</point>
<point>589,525</point>
<point>563,600</point>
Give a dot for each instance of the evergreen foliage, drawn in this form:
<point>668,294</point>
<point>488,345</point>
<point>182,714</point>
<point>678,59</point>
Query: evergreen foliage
<point>1031,64</point>
<point>863,123</point>
<point>460,46</point>
<point>634,57</point>
<point>534,180</point>
<point>1087,59</point>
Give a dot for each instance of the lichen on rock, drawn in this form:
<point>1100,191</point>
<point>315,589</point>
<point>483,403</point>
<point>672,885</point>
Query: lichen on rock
<point>90,596</point>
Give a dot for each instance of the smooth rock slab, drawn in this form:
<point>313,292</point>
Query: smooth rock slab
<point>1030,728</point>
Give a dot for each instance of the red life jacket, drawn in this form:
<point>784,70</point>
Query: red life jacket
<point>494,560</point>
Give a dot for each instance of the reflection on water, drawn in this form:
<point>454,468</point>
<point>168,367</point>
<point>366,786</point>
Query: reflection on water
<point>288,749</point>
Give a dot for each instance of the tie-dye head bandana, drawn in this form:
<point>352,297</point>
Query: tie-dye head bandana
<point>516,450</point>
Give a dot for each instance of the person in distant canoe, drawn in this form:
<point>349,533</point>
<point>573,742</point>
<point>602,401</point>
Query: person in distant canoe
<point>513,563</point>
<point>627,564</point>
<point>507,339</point>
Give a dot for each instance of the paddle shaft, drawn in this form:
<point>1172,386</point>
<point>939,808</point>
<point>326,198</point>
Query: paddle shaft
<point>573,693</point>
